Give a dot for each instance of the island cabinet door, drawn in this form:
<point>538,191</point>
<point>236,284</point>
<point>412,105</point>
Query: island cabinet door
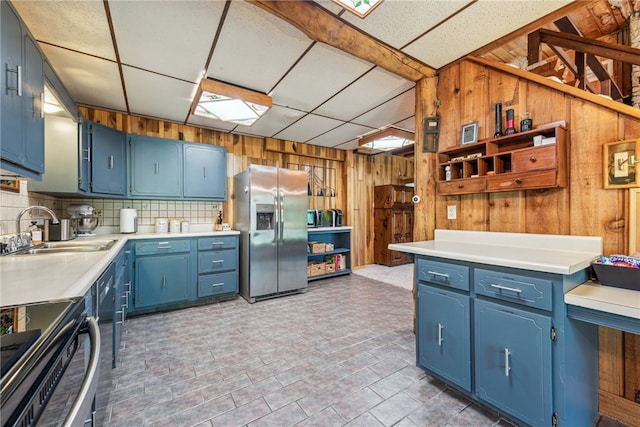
<point>513,361</point>
<point>443,334</point>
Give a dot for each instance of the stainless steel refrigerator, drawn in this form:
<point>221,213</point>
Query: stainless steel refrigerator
<point>270,211</point>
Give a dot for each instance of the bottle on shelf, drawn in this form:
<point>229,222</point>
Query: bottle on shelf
<point>498,121</point>
<point>511,128</point>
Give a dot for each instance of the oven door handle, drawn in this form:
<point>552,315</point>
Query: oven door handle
<point>84,400</point>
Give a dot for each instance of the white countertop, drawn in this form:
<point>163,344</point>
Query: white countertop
<point>593,295</point>
<point>26,279</point>
<point>537,252</point>
<point>325,229</point>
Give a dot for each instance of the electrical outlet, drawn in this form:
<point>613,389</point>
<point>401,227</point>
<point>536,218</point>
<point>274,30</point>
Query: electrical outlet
<point>451,212</point>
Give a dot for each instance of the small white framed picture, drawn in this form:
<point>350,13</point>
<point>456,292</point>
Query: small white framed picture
<point>469,133</point>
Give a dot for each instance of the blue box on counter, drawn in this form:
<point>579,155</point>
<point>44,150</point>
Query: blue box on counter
<point>617,276</point>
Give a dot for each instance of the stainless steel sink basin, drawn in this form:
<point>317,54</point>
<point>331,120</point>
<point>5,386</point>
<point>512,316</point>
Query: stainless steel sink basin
<point>67,247</point>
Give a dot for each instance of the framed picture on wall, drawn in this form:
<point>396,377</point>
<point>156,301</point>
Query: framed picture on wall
<point>469,133</point>
<point>621,164</point>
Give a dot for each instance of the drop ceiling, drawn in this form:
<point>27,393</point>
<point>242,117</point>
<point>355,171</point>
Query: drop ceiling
<point>146,58</point>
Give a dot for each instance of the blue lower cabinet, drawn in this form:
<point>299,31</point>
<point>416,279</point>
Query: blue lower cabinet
<point>444,329</point>
<point>501,336</point>
<point>162,280</point>
<point>513,361</point>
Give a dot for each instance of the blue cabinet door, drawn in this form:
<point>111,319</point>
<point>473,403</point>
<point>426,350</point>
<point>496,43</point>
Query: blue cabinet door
<point>33,106</point>
<point>443,333</point>
<point>21,97</point>
<point>205,171</point>
<point>513,361</point>
<point>108,160</point>
<point>161,280</point>
<point>12,116</point>
<point>156,167</point>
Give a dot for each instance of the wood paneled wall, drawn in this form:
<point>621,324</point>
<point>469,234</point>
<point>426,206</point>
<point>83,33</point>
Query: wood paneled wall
<point>468,92</point>
<point>356,174</point>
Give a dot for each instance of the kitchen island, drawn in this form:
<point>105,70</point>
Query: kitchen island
<point>492,322</point>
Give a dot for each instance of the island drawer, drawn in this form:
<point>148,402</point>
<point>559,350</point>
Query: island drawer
<point>443,273</point>
<point>529,291</point>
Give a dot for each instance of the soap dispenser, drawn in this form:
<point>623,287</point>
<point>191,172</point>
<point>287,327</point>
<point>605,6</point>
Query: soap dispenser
<point>36,233</point>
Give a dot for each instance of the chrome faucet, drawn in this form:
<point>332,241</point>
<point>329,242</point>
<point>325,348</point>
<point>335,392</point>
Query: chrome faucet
<point>30,208</point>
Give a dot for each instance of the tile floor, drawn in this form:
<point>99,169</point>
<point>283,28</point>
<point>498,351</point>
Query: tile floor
<point>343,353</point>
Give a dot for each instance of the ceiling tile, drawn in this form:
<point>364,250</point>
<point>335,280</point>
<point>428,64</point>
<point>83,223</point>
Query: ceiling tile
<point>340,135</point>
<point>407,124</point>
<point>309,77</point>
<point>78,25</point>
<point>89,80</point>
<point>398,22</point>
<point>158,96</point>
<point>392,111</point>
<point>273,121</point>
<point>366,93</point>
<point>255,49</point>
<point>144,38</point>
<point>482,22</point>
<point>308,128</point>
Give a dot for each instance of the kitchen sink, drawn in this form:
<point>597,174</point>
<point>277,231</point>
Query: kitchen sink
<point>69,246</point>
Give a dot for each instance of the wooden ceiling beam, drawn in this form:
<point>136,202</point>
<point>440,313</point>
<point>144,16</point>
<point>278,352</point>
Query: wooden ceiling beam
<point>588,46</point>
<point>322,26</point>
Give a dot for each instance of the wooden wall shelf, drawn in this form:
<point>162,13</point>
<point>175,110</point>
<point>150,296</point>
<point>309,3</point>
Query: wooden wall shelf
<point>506,163</point>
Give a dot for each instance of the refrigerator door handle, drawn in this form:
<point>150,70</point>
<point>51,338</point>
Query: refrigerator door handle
<point>281,216</point>
<point>276,225</point>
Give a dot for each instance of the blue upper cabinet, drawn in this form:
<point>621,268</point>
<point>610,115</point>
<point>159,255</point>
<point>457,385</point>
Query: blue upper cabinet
<point>205,172</point>
<point>155,167</point>
<point>108,160</point>
<point>22,98</point>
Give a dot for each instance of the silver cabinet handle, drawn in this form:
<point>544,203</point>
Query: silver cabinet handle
<point>213,285</point>
<point>111,162</point>
<point>435,273</point>
<point>217,243</point>
<point>204,172</point>
<point>88,151</point>
<point>164,280</point>
<point>507,368</point>
<point>217,261</point>
<point>440,339</point>
<point>156,168</point>
<point>19,80</point>
<point>506,288</point>
<point>84,400</point>
<point>18,86</point>
<point>164,245</point>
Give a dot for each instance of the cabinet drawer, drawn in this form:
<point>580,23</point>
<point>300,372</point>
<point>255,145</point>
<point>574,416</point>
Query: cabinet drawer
<point>213,261</point>
<point>442,273</point>
<point>163,246</point>
<point>522,181</point>
<point>217,284</point>
<point>463,186</point>
<point>222,242</point>
<point>529,291</point>
<point>535,158</point>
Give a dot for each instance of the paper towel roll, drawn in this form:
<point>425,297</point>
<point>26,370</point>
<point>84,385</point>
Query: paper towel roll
<point>128,220</point>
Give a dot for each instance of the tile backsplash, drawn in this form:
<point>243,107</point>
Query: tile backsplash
<point>198,213</point>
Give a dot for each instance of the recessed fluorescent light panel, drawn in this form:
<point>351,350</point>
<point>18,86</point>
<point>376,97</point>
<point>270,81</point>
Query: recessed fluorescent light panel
<point>359,7</point>
<point>228,103</point>
<point>387,139</point>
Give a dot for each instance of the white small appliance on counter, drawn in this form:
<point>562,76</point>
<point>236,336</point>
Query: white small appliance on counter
<point>128,220</point>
